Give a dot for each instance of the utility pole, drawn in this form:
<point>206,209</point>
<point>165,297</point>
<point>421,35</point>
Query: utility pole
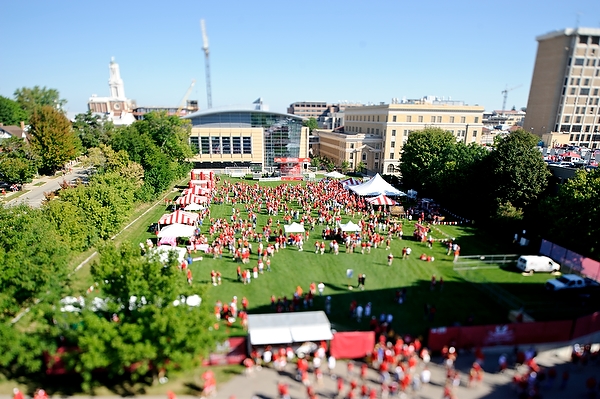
<point>206,63</point>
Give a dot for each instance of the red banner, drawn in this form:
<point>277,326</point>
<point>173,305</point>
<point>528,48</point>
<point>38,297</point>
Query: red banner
<point>290,160</point>
<point>352,345</point>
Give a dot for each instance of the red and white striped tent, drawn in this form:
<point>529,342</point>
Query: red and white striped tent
<point>191,198</point>
<point>179,216</point>
<point>382,199</point>
<point>196,190</point>
<point>351,181</point>
<point>202,183</point>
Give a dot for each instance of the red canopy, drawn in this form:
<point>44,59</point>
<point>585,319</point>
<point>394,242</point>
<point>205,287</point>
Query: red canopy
<point>382,199</point>
<point>179,217</point>
<point>196,190</point>
<point>189,198</point>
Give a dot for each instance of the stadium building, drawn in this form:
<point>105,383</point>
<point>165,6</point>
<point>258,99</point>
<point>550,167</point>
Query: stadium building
<point>249,137</point>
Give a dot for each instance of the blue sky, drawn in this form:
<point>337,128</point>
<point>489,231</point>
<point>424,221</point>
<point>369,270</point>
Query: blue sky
<point>357,51</point>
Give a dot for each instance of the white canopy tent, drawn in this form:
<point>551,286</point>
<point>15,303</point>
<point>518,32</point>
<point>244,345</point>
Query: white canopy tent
<point>194,207</point>
<point>335,175</point>
<point>177,230</point>
<point>293,228</point>
<point>350,226</point>
<point>375,186</point>
<point>287,328</point>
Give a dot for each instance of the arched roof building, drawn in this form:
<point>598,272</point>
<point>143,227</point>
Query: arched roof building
<point>245,136</point>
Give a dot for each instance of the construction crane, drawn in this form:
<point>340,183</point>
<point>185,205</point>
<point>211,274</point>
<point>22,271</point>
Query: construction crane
<point>505,94</point>
<point>207,64</point>
<point>184,99</point>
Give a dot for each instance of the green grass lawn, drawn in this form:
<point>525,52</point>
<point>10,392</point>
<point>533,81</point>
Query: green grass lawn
<point>481,296</point>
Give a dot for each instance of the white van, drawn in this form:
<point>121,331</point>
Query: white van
<point>532,263</point>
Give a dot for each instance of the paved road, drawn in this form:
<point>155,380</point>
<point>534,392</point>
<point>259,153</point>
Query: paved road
<point>35,190</point>
<point>263,384</point>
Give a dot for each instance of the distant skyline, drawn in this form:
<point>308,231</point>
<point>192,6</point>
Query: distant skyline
<point>333,51</point>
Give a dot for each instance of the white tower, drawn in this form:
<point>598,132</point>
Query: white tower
<point>117,90</point>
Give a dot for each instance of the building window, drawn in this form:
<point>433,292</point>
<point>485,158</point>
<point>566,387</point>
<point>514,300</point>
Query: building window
<point>226,145</point>
<point>392,144</point>
<point>476,119</point>
<point>567,119</point>
<point>474,133</point>
<point>393,118</point>
<point>351,155</point>
<point>584,91</point>
<point>247,145</point>
<point>451,119</point>
<point>390,169</point>
<point>409,118</point>
<point>439,119</point>
<point>433,119</point>
<point>368,130</point>
<point>205,145</point>
<point>376,131</point>
<point>377,118</point>
<point>215,145</point>
<point>376,166</point>
<point>391,155</point>
<point>420,118</point>
<point>376,155</point>
<point>364,157</point>
<point>463,119</point>
<point>573,91</point>
<point>579,61</point>
<point>393,132</point>
<point>237,145</point>
<point>406,133</point>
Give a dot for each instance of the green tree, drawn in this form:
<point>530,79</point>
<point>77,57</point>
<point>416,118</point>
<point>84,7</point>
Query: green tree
<point>32,99</point>
<point>518,173</point>
<point>153,333</point>
<point>17,170</point>
<point>576,204</point>
<point>17,164</point>
<point>71,223</point>
<point>425,158</point>
<point>11,112</point>
<point>361,167</point>
<point>170,134</point>
<point>105,202</point>
<point>345,166</point>
<point>93,130</point>
<point>311,124</point>
<point>52,138</point>
<point>33,258</point>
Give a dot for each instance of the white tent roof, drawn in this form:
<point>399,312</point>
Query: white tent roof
<point>294,228</point>
<point>350,226</point>
<point>285,328</point>
<point>376,186</point>
<point>335,174</point>
<point>177,230</point>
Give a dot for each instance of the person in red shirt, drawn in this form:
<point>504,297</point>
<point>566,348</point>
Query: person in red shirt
<point>363,372</point>
<point>17,394</point>
<point>244,303</point>
<point>340,386</point>
<point>189,277</point>
<point>283,390</point>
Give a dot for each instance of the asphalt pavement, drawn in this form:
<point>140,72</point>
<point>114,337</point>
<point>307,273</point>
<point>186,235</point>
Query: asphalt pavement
<point>34,191</point>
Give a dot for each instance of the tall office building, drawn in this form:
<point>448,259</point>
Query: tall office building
<point>563,105</point>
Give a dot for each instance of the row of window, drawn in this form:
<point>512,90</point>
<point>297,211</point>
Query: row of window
<point>585,137</point>
<point>217,145</point>
<point>585,39</point>
<point>409,119</point>
<point>579,128</point>
<point>584,91</point>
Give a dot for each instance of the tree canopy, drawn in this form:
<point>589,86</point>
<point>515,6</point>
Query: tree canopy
<point>93,130</point>
<point>142,329</point>
<point>311,124</point>
<point>11,112</point>
<point>32,99</point>
<point>52,138</point>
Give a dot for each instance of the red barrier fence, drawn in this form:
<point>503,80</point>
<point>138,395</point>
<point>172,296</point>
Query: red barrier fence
<point>513,334</point>
<point>571,260</point>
